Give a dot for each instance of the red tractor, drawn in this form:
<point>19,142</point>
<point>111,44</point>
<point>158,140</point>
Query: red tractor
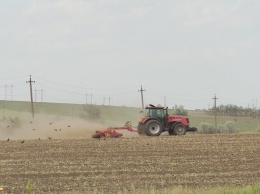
<point>157,120</point>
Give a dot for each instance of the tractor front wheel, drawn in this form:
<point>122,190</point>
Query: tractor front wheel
<point>171,132</point>
<point>153,128</point>
<point>180,129</point>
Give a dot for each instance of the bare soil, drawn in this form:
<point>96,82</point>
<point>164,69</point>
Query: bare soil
<point>85,165</point>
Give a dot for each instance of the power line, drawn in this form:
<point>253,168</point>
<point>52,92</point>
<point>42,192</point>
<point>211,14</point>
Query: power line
<point>79,87</point>
<point>12,78</point>
<point>160,92</point>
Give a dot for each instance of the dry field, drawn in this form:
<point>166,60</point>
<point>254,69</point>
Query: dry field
<point>85,165</point>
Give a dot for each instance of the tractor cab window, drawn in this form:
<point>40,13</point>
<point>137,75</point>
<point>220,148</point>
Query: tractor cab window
<point>158,113</point>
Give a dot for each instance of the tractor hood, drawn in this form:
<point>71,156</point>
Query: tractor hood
<point>181,119</point>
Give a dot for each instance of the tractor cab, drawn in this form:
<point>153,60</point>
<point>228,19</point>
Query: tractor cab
<point>155,112</point>
<point>158,112</point>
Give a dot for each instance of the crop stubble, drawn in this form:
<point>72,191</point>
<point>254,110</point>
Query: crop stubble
<point>191,161</point>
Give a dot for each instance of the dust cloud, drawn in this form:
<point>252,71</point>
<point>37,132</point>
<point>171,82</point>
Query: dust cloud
<point>45,127</point>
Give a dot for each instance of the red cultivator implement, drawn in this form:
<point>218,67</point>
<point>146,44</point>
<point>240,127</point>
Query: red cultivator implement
<point>112,131</point>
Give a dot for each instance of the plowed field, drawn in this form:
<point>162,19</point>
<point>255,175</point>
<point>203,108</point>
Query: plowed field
<point>111,165</point>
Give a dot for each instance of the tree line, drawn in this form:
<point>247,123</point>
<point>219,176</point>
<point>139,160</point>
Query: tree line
<point>233,110</point>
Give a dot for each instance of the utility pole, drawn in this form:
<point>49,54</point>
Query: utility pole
<point>6,91</point>
<point>215,110</point>
<point>41,95</point>
<point>30,82</point>
<point>11,92</point>
<point>104,100</point>
<point>142,97</point>
<point>109,99</point>
<point>35,94</point>
<point>4,112</point>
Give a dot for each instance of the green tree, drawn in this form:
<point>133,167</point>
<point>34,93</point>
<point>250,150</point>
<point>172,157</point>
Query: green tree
<point>179,110</point>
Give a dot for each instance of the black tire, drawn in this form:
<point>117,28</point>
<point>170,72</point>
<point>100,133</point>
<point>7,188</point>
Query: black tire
<point>96,135</point>
<point>140,129</point>
<point>180,129</point>
<point>171,132</point>
<point>153,128</point>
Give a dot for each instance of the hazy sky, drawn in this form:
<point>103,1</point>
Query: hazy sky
<point>186,50</point>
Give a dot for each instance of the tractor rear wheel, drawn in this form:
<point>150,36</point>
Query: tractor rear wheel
<point>180,129</point>
<point>153,128</point>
